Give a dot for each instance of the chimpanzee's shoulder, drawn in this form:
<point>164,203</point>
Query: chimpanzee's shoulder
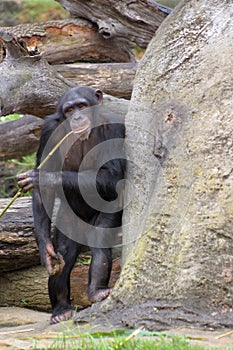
<point>51,121</point>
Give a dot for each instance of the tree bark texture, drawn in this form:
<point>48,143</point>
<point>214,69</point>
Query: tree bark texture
<point>113,78</point>
<point>18,247</point>
<point>29,85</point>
<point>134,22</point>
<point>32,292</point>
<point>19,137</point>
<point>70,40</point>
<point>179,269</point>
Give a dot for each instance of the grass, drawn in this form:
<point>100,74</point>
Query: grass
<point>118,340</point>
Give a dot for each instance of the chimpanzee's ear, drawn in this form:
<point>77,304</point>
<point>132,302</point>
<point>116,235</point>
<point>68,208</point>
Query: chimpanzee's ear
<point>99,95</point>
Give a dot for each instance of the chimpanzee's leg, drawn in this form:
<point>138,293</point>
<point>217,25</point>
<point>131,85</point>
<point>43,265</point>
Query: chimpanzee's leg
<point>99,274</point>
<point>59,285</point>
<point>103,234</point>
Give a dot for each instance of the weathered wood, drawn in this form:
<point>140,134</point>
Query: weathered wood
<point>134,21</point>
<point>18,247</point>
<point>28,84</point>
<point>32,291</point>
<point>113,78</point>
<point>19,137</point>
<point>70,40</point>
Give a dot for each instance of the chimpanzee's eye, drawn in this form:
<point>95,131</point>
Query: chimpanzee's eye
<point>81,105</point>
<point>69,109</point>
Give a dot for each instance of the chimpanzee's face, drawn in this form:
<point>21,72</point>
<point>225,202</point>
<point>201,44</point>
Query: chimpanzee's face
<point>75,105</point>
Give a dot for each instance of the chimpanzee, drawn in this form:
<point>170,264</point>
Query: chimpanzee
<point>72,175</point>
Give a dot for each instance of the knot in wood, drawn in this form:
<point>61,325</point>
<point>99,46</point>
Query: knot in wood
<point>107,30</point>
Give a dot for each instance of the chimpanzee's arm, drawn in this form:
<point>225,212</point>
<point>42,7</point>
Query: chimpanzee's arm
<point>42,221</point>
<point>42,216</point>
<point>104,180</point>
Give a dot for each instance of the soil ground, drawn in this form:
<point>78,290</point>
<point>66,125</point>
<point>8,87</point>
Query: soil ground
<point>18,328</point>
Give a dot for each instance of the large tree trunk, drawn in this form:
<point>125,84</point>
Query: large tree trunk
<point>179,270</point>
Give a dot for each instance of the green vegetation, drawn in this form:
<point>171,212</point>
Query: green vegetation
<point>41,11</point>
<point>9,186</point>
<point>119,340</point>
<point>10,117</point>
<point>84,260</point>
<point>26,163</point>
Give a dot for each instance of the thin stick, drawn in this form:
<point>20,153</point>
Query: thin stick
<point>17,331</point>
<point>54,150</point>
<point>18,194</point>
<point>224,335</point>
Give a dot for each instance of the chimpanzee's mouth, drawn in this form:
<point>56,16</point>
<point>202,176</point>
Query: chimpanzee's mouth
<point>83,128</point>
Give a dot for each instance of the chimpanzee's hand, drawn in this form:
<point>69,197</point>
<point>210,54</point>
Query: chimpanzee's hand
<point>28,180</point>
<point>54,262</point>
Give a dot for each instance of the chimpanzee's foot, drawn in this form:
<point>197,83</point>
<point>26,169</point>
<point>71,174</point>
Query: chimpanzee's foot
<point>100,295</point>
<point>62,315</point>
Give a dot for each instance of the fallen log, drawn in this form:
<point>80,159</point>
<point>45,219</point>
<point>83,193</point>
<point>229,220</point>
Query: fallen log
<point>113,78</point>
<point>134,21</point>
<point>29,85</point>
<point>31,286</point>
<point>69,40</point>
<point>18,247</point>
<point>19,137</point>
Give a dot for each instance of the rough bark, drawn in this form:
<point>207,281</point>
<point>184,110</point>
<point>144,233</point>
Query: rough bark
<point>19,137</point>
<point>70,40</point>
<point>18,247</point>
<point>113,78</point>
<point>134,21</point>
<point>28,84</point>
<point>32,291</point>
<point>179,271</point>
